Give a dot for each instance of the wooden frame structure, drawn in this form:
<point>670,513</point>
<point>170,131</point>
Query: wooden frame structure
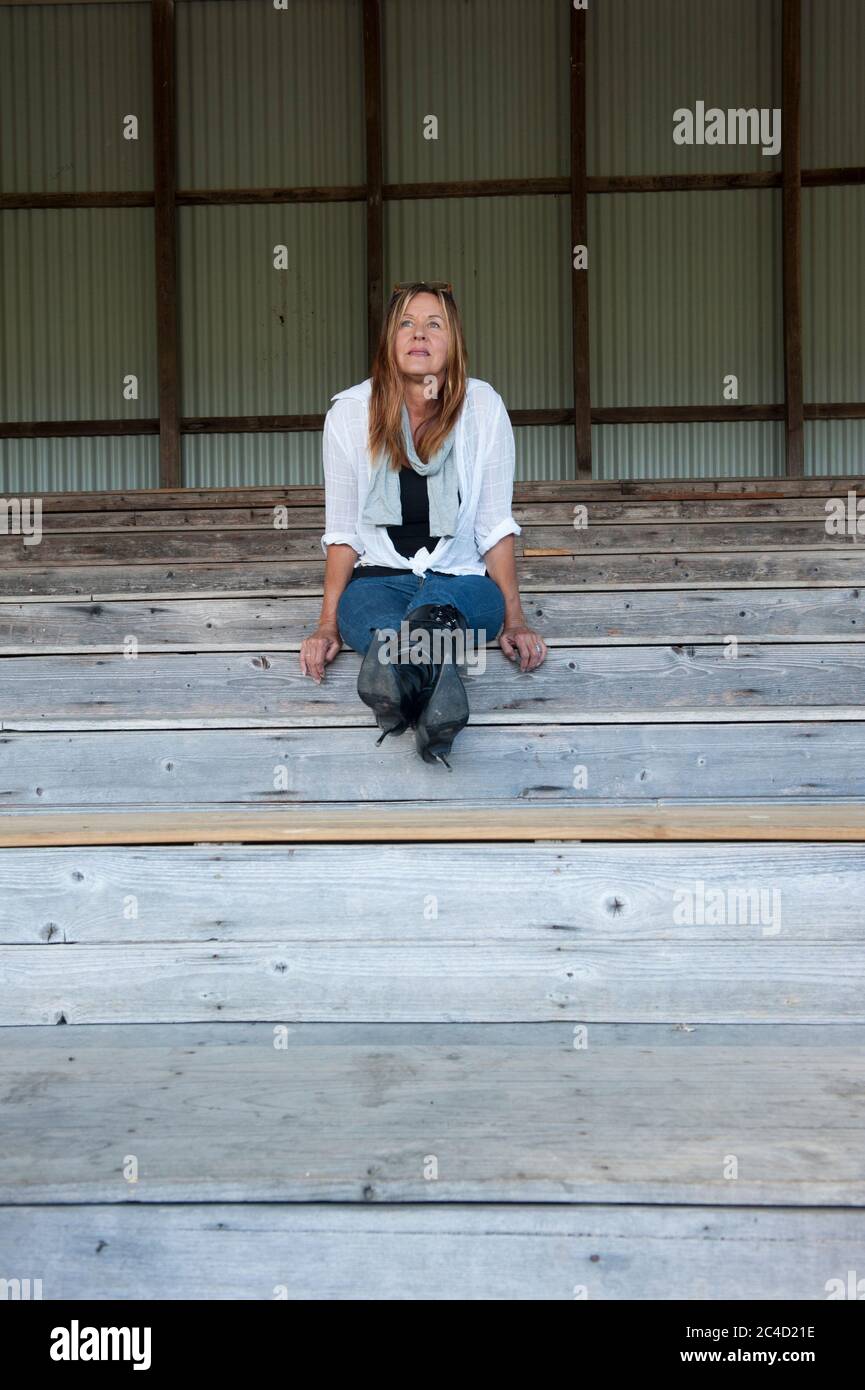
<point>165,198</point>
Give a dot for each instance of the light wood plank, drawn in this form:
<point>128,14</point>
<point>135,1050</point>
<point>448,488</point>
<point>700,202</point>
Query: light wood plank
<point>525,490</point>
<point>579,765</point>
<point>414,1252</point>
<point>239,893</point>
<point>438,981</point>
<point>687,536</point>
<point>835,821</point>
<point>280,624</point>
<point>300,516</point>
<point>197,545</point>
<point>575,684</point>
<point>603,571</point>
<point>528,1118</point>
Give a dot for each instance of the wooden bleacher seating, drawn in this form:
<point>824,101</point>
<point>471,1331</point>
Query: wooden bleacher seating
<point>199,847</point>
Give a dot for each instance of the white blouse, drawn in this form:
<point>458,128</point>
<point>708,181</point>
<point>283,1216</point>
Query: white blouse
<point>484,451</point>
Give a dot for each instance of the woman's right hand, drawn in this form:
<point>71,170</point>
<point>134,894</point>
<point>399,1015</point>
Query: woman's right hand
<point>318,649</point>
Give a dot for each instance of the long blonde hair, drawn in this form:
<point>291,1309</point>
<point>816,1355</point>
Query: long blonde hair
<point>385,433</point>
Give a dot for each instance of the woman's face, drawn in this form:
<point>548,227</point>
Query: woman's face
<point>422,339</point>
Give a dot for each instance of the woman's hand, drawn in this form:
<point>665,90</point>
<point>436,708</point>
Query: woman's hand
<point>520,642</point>
<point>318,649</point>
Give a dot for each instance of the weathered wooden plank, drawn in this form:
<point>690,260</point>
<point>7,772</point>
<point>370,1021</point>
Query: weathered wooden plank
<point>602,571</point>
<point>484,822</point>
<point>611,619</point>
<point>198,544</point>
<point>146,546</point>
<point>679,893</point>
<point>472,1251</point>
<point>525,490</point>
<point>658,489</point>
<point>576,684</point>
<point>579,765</point>
<point>302,516</point>
<point>439,981</point>
<point>654,539</point>
<point>357,1118</point>
<point>238,893</point>
<point>296,517</point>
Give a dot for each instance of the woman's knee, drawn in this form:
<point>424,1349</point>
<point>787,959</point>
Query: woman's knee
<point>485,610</point>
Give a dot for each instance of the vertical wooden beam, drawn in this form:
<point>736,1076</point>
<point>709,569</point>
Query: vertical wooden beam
<point>580,237</point>
<point>791,154</point>
<point>374,220</point>
<point>164,184</point>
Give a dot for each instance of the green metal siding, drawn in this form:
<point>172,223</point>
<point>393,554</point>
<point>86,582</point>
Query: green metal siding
<point>256,340</point>
<point>646,60</point>
<point>684,287</point>
<point>69,74</point>
<point>269,98</point>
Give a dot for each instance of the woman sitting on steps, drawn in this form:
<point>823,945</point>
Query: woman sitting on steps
<point>419,536</point>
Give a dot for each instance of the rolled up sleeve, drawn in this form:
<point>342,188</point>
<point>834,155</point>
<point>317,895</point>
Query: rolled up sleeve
<point>496,460</point>
<point>340,482</point>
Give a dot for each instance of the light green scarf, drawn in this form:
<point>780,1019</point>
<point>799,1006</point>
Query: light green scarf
<point>383,506</point>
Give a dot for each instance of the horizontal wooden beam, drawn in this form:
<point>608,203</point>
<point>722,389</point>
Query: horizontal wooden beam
<point>118,198</point>
<point>557,415</point>
<point>682,414</point>
<point>834,410</point>
<point>425,822</point>
<point>464,188</point>
<point>62,429</point>
<point>652,490</point>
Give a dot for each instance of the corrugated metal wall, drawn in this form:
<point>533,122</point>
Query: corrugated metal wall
<point>684,287</point>
<point>833,229</point>
<point>833,93</point>
<point>69,75</point>
<point>646,60</point>
<point>76,285</point>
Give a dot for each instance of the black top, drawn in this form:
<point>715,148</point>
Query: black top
<point>413,532</point>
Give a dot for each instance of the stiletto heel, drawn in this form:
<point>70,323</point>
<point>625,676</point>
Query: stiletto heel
<point>442,704</point>
<point>389,688</point>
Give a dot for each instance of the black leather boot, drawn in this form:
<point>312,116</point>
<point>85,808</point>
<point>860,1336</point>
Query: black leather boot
<point>442,706</point>
<point>383,685</point>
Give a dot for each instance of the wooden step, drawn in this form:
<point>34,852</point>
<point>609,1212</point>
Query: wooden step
<point>417,979</point>
<point>432,932</point>
<point>296,516</point>
<point>525,490</point>
<point>603,571</point>
<point>383,823</point>
<point>184,545</point>
<point>523,768</point>
<point>629,684</point>
<point>615,619</point>
<point>687,895</point>
<point>726,1116</point>
<point>479,1251</point>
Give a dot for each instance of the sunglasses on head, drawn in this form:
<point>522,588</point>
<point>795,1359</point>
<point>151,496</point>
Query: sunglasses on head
<point>444,285</point>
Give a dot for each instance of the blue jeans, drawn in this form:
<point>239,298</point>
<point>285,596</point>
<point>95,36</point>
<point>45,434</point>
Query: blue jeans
<point>383,601</point>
